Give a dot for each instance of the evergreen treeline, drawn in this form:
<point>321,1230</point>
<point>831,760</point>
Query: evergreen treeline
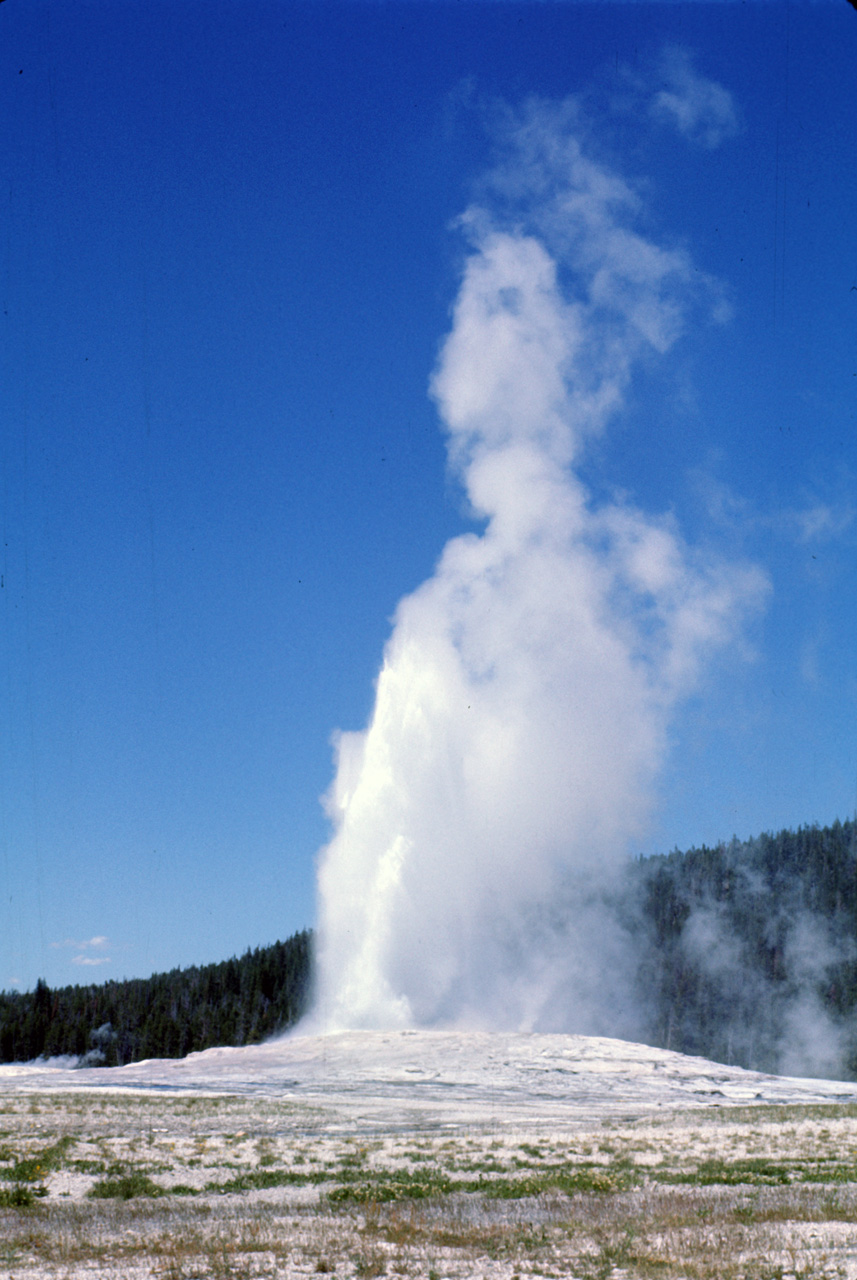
<point>745,953</point>
<point>748,951</point>
<point>235,1002</point>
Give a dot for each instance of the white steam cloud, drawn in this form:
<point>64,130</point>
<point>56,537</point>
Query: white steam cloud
<point>701,110</point>
<point>527,688</point>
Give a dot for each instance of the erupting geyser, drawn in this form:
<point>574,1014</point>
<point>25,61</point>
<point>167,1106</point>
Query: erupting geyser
<point>527,687</point>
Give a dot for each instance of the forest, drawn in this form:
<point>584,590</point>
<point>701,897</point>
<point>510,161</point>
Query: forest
<point>748,951</point>
<point>235,1002</point>
<point>745,953</point>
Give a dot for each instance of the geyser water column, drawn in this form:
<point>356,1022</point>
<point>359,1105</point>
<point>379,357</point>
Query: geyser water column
<point>521,712</point>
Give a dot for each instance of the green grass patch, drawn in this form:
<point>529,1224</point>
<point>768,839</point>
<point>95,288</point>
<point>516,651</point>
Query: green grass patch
<point>32,1168</point>
<point>127,1187</point>
<point>570,1179</point>
<point>728,1173</point>
<point>88,1166</point>
<point>389,1190</point>
<point>264,1179</point>
<point>757,1172</point>
<point>419,1184</point>
<point>20,1196</point>
<point>821,1172</point>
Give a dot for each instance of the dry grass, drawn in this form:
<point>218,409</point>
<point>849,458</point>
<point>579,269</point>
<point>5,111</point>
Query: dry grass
<point>187,1187</point>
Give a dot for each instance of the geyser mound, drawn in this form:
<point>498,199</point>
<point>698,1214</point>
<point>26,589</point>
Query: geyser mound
<point>371,1080</point>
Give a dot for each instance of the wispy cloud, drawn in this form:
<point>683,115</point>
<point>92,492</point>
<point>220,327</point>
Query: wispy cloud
<point>821,520</point>
<point>817,519</point>
<point>98,943</point>
<point>701,109</point>
<point>87,949</point>
<point>810,666</point>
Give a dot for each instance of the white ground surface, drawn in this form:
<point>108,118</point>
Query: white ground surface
<point>446,1077</point>
<point>333,1113</point>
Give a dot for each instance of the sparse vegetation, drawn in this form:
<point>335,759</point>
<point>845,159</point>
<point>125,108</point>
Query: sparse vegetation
<point>237,1187</point>
<point>125,1187</point>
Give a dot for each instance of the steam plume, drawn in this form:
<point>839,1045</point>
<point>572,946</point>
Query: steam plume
<point>522,709</point>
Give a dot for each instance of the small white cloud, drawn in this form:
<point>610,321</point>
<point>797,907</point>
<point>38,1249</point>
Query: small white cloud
<point>816,520</point>
<point>701,109</point>
<point>822,520</point>
<point>90,960</point>
<point>97,943</point>
<point>723,506</point>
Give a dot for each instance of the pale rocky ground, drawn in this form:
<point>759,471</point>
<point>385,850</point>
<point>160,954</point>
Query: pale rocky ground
<point>429,1155</point>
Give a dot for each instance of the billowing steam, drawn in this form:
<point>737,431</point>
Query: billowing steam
<point>527,688</point>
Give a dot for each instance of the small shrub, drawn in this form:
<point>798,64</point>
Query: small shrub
<point>370,1263</point>
<point>20,1196</point>
<point>386,1189</point>
<point>125,1188</point>
<point>264,1179</point>
<point>33,1168</point>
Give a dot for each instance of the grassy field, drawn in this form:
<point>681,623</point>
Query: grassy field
<point>110,1185</point>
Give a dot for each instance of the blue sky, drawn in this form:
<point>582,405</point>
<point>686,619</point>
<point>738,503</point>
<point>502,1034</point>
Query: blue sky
<point>227,265</point>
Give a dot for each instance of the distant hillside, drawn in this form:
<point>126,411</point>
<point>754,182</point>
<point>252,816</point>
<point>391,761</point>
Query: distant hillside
<point>169,1015</point>
<point>748,951</point>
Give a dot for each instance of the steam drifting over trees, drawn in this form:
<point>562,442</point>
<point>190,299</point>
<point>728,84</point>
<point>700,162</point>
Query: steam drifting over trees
<point>745,953</point>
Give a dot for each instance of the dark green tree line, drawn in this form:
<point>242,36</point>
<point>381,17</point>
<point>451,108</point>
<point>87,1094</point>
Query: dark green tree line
<point>234,1002</point>
<point>740,952</point>
<point>747,948</point>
